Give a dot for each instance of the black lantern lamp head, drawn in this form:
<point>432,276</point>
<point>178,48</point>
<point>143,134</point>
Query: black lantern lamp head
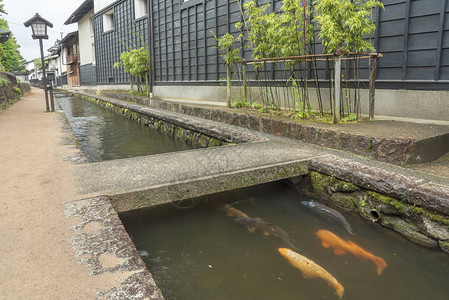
<point>39,26</point>
<point>50,75</point>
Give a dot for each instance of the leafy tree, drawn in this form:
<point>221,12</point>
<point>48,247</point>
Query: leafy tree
<point>137,64</point>
<point>37,64</point>
<point>2,9</point>
<point>344,24</point>
<point>10,57</point>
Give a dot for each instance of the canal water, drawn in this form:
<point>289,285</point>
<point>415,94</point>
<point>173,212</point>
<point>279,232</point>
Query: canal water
<point>201,253</point>
<point>105,135</point>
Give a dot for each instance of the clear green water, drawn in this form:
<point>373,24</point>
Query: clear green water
<point>200,253</point>
<point>105,135</point>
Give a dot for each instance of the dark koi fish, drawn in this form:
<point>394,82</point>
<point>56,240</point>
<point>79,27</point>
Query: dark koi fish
<point>255,224</point>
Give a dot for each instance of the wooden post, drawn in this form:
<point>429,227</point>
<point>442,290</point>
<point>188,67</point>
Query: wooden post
<point>337,89</point>
<point>44,75</point>
<point>245,88</point>
<point>372,84</point>
<point>228,85</point>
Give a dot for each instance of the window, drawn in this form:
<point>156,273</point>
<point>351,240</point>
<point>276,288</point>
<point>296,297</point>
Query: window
<point>140,8</point>
<point>108,21</point>
<point>189,3</point>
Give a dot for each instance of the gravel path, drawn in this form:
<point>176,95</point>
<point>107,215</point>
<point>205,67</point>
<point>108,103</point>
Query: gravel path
<point>36,259</point>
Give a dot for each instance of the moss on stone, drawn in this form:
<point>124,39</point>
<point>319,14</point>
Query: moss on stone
<point>444,245</point>
<point>439,218</point>
<point>397,204</point>
<point>215,142</point>
<point>325,185</point>
<point>319,183</point>
<point>203,141</point>
<point>345,200</point>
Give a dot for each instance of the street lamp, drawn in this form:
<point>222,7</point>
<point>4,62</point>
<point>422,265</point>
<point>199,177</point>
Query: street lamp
<point>39,26</point>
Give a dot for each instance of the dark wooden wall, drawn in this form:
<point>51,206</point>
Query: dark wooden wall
<point>413,36</point>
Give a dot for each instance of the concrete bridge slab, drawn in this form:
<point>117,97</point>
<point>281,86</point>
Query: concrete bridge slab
<point>139,182</point>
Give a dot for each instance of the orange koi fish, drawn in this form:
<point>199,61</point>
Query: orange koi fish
<point>340,247</point>
<point>310,269</point>
<point>231,211</point>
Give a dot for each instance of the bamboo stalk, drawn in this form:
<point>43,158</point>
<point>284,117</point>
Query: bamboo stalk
<point>372,85</point>
<point>337,90</point>
<point>228,85</point>
<point>245,88</point>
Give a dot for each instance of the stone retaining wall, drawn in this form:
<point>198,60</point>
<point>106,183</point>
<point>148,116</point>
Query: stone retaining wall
<point>10,90</point>
<point>187,135</point>
<point>398,151</point>
<point>417,209</point>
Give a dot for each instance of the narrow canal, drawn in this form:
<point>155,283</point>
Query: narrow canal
<point>202,253</point>
<point>105,135</point>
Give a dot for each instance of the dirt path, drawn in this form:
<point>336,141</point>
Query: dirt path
<point>36,259</point>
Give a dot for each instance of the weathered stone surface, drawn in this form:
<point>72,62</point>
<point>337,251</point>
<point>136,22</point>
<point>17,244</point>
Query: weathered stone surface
<point>393,150</point>
<point>386,182</point>
<point>227,117</point>
<point>385,204</point>
<point>203,141</point>
<point>265,125</point>
<point>347,201</point>
<point>221,133</point>
<point>243,120</point>
<point>432,196</point>
<point>399,151</point>
<point>254,123</point>
<point>308,134</point>
<point>327,138</point>
<point>135,287</point>
<point>328,184</point>
<point>278,128</point>
<point>215,115</point>
<point>102,245</point>
<point>357,144</point>
<point>96,210</point>
<point>444,245</point>
<point>293,130</point>
<point>408,230</point>
<point>185,109</point>
<point>435,230</point>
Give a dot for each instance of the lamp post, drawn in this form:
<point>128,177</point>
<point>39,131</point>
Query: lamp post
<point>39,26</point>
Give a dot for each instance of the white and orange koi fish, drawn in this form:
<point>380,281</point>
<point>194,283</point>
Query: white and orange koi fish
<point>310,269</point>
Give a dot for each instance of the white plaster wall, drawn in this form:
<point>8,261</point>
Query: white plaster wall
<point>86,39</point>
<point>418,104</point>
<point>100,4</point>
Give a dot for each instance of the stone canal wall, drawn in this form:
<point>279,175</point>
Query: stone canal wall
<point>417,209</point>
<point>399,151</point>
<point>190,132</point>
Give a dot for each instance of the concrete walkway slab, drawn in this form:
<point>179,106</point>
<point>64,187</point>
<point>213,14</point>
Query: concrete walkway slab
<point>138,182</point>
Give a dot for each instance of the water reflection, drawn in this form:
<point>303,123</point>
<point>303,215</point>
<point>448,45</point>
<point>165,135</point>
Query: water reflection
<point>202,254</point>
<point>104,135</point>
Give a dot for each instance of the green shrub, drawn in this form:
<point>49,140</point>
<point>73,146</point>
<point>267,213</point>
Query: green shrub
<point>4,82</point>
<point>17,91</point>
